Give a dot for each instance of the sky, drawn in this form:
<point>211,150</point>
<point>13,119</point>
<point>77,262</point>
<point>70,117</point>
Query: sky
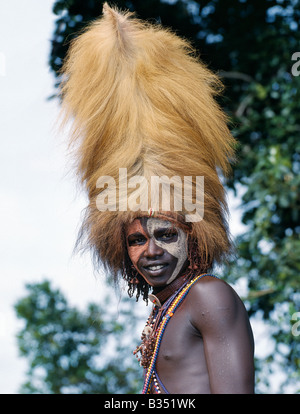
<point>40,206</point>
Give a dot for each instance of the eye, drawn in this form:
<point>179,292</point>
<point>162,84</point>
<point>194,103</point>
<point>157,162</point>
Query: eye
<point>169,235</point>
<point>136,240</point>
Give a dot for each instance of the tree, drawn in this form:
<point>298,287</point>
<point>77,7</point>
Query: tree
<point>70,351</point>
<point>251,44</point>
<point>264,106</point>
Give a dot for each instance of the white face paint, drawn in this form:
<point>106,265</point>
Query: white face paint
<point>177,249</point>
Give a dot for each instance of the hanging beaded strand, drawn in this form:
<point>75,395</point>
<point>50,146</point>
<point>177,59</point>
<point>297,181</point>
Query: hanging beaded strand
<point>150,331</point>
<point>170,312</point>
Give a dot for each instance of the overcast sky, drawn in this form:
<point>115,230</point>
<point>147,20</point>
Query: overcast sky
<point>39,205</point>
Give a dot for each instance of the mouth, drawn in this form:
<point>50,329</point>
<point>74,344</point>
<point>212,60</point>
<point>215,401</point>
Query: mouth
<point>155,269</point>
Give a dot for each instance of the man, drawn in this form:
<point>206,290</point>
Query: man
<point>143,112</point>
<point>207,346</point>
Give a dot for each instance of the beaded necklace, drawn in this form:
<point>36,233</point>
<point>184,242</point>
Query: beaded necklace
<point>150,331</point>
<point>171,305</point>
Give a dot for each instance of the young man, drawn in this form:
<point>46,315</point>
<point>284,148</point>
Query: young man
<point>207,345</point>
<point>143,111</point>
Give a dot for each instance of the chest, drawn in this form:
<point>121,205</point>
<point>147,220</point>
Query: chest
<point>180,363</point>
<point>179,339</point>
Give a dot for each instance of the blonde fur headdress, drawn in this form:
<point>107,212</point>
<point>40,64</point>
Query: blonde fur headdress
<point>141,100</point>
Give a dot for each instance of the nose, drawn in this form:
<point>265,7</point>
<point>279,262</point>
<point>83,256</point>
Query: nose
<point>153,250</point>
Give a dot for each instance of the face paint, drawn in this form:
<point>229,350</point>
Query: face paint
<point>137,242</point>
<point>177,248</point>
<point>157,249</point>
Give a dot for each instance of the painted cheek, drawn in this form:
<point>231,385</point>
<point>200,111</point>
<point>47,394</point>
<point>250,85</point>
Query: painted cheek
<point>135,252</point>
<point>177,249</point>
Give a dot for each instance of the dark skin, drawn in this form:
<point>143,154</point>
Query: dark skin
<point>207,347</point>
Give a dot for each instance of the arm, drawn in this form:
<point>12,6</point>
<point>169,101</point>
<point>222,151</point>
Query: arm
<point>221,318</point>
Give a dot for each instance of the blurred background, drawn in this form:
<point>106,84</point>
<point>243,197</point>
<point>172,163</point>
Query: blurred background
<point>63,329</point>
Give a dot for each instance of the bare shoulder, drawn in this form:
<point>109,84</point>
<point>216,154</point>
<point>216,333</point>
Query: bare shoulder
<point>209,297</point>
<point>217,313</point>
<point>213,290</point>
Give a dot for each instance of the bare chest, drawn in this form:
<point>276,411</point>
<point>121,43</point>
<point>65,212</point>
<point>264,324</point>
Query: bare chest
<point>179,337</point>
<point>181,361</point>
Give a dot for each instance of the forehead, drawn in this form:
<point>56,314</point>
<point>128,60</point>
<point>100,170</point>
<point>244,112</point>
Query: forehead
<point>147,225</point>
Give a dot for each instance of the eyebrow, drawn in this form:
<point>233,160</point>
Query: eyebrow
<point>157,230</point>
<point>137,233</point>
<point>165,229</point>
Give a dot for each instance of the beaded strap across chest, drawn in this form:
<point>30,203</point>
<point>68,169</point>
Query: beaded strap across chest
<point>170,312</point>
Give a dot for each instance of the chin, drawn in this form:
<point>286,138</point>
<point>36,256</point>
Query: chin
<point>156,282</point>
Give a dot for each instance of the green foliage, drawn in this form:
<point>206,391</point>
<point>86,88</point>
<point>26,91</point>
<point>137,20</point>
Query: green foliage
<point>70,351</point>
<point>250,43</point>
<point>266,119</point>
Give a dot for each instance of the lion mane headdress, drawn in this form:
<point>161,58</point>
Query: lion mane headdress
<point>141,101</point>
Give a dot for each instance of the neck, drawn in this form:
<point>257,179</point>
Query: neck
<point>161,294</point>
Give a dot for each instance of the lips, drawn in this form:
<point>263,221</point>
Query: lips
<point>155,269</point>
